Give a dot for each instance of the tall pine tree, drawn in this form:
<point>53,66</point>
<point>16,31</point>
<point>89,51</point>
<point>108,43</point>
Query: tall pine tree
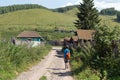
<point>87,15</point>
<point>118,16</point>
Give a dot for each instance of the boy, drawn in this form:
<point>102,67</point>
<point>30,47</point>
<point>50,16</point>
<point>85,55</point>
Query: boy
<point>66,59</point>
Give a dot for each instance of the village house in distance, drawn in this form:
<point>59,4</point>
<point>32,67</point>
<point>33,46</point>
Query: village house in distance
<point>80,37</point>
<point>31,38</point>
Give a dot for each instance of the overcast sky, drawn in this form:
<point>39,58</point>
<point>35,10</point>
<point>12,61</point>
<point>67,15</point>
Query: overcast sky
<point>99,4</point>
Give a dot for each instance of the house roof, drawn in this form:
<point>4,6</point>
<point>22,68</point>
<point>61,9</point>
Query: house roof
<point>28,34</point>
<point>85,34</point>
<point>74,38</point>
<point>67,39</point>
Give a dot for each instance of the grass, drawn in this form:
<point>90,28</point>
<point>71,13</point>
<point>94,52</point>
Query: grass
<point>72,12</point>
<point>105,19</point>
<point>43,78</point>
<point>45,19</point>
<point>15,59</point>
<point>54,35</point>
<point>11,24</point>
<point>37,17</point>
<point>82,73</point>
<point>109,20</point>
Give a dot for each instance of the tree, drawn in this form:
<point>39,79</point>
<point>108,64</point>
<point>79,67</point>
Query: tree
<point>87,15</point>
<point>106,58</point>
<point>118,16</point>
<point>108,11</point>
<point>12,8</point>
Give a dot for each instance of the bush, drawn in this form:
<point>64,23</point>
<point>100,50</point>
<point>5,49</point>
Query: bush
<point>80,63</point>
<point>106,57</point>
<point>103,57</point>
<point>81,72</point>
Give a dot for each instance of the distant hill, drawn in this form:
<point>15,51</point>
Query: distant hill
<point>64,9</point>
<point>42,18</point>
<point>13,8</point>
<point>108,11</point>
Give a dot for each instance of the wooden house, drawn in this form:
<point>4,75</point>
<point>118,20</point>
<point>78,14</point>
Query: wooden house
<point>81,37</point>
<point>85,35</point>
<point>29,37</point>
<point>66,41</point>
<point>74,41</point>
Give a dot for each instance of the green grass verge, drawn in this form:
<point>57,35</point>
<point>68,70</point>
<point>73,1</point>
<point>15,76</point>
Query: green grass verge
<point>15,59</point>
<point>43,78</point>
<point>82,73</point>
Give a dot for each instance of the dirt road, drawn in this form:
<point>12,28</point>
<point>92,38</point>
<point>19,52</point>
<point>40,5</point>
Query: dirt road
<point>52,66</point>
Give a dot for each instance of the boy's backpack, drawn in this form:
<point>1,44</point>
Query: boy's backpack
<point>68,56</point>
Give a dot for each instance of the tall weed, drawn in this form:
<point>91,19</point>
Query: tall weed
<point>14,59</point>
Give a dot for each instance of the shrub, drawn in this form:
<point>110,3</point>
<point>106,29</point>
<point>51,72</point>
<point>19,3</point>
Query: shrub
<point>106,57</point>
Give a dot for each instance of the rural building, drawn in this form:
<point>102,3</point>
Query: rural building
<point>86,35</point>
<point>74,41</point>
<point>31,38</point>
<point>66,41</point>
<point>80,37</point>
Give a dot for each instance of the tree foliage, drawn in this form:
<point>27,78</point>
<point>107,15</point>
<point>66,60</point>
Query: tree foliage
<point>102,55</point>
<point>118,16</point>
<point>107,55</point>
<point>64,9</point>
<point>108,11</point>
<point>87,15</point>
<point>12,8</point>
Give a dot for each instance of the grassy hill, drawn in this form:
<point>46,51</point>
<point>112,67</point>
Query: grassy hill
<point>109,20</point>
<point>42,19</point>
<point>72,12</point>
<point>35,17</point>
<point>64,9</point>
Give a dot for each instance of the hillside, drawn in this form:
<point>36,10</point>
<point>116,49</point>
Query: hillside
<point>109,20</point>
<point>46,19</point>
<point>72,12</point>
<point>64,9</point>
<point>11,24</point>
<point>12,8</point>
<point>37,17</point>
<point>42,19</point>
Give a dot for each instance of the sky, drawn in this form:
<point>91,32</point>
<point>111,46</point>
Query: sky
<point>99,4</point>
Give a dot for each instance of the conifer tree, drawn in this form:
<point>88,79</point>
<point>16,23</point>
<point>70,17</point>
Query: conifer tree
<point>87,15</point>
<point>118,16</point>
